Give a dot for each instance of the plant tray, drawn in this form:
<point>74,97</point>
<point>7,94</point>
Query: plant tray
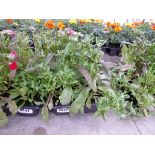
<point>58,110</point>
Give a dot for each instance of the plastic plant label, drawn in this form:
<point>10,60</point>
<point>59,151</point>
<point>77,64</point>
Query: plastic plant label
<point>25,111</point>
<point>63,110</point>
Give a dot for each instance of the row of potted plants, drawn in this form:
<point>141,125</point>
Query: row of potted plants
<point>47,68</point>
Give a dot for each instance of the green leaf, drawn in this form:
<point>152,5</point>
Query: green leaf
<point>50,104</point>
<point>2,103</point>
<point>88,103</point>
<point>66,96</point>
<point>45,113</point>
<point>79,101</point>
<point>87,76</point>
<point>38,103</point>
<point>3,118</point>
<point>23,91</point>
<point>12,105</point>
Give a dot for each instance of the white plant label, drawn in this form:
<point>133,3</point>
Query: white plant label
<point>25,111</point>
<point>63,110</point>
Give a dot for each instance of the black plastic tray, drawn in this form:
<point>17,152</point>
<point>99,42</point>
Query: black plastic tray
<point>58,110</point>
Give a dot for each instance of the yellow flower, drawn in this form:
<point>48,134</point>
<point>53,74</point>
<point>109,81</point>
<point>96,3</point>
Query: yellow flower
<point>72,21</point>
<point>117,29</point>
<point>88,20</point>
<point>106,29</point>
<point>83,21</point>
<point>37,20</point>
<point>14,23</point>
<point>130,25</point>
<point>98,21</point>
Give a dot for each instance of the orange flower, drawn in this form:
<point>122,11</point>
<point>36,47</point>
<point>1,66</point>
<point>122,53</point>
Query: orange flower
<point>153,27</point>
<point>60,25</point>
<point>82,21</point>
<point>113,25</point>
<point>108,24</point>
<point>117,29</point>
<point>9,21</point>
<point>136,24</point>
<point>49,24</point>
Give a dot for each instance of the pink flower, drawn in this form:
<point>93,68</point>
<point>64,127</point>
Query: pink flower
<point>70,32</point>
<point>13,66</point>
<point>12,34</point>
<point>12,55</point>
<point>9,32</point>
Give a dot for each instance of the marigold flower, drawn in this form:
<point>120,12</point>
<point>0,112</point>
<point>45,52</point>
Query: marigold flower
<point>9,21</point>
<point>72,21</point>
<point>61,25</point>
<point>136,24</point>
<point>13,66</point>
<point>117,29</point>
<point>130,25</point>
<point>82,21</point>
<point>88,21</point>
<point>153,27</point>
<point>98,21</point>
<point>37,20</point>
<point>49,24</point>
<point>108,24</point>
<point>113,25</point>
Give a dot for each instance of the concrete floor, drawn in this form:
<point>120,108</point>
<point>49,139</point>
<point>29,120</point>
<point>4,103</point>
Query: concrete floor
<point>86,124</point>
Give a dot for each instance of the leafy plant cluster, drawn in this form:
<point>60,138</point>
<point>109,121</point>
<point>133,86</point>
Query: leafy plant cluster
<point>129,87</point>
<point>61,70</point>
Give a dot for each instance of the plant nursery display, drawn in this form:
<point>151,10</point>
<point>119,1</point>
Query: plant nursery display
<point>57,66</point>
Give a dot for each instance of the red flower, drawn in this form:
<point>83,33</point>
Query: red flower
<point>13,66</point>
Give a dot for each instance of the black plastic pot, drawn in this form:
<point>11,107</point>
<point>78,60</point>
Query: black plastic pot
<point>64,110</point>
<point>61,109</point>
<point>6,110</point>
<point>105,49</point>
<point>115,51</point>
<point>92,109</point>
<point>28,111</point>
<point>24,111</point>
